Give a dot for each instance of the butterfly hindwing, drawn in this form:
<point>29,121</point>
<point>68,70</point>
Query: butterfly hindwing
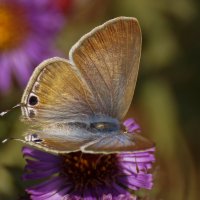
<point>70,138</point>
<point>119,142</point>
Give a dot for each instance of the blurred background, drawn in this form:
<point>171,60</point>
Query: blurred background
<point>166,100</point>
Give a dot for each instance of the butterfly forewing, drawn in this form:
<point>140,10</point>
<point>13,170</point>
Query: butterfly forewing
<point>61,94</point>
<point>108,59</point>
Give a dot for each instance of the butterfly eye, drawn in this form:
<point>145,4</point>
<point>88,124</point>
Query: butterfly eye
<point>33,100</point>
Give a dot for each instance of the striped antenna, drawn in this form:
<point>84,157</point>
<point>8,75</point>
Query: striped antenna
<point>16,139</point>
<point>16,106</point>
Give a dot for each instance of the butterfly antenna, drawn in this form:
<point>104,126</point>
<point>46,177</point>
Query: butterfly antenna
<point>16,139</point>
<point>16,106</point>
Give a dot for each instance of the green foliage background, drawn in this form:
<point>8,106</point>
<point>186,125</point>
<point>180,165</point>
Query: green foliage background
<point>166,101</point>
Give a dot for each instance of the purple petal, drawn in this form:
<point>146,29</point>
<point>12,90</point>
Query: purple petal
<point>107,197</point>
<point>51,189</point>
<point>141,152</point>
<point>131,125</point>
<point>128,122</point>
<point>72,197</point>
<point>125,197</point>
<point>129,169</point>
<point>39,174</point>
<point>54,196</point>
<point>138,159</point>
<point>46,187</point>
<point>5,74</point>
<point>40,165</point>
<point>136,182</point>
<point>40,155</point>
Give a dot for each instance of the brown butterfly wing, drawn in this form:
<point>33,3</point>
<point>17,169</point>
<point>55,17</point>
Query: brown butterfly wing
<point>119,142</point>
<point>60,138</point>
<point>57,145</point>
<point>99,79</point>
<point>61,94</point>
<point>53,140</point>
<point>108,59</point>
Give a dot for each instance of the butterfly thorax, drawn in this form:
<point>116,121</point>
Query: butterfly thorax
<point>104,126</point>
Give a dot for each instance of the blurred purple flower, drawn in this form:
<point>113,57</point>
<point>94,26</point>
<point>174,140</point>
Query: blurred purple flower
<point>132,126</point>
<point>84,176</point>
<point>27,33</point>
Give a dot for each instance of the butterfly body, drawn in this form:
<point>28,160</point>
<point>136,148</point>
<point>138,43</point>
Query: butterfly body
<point>78,104</point>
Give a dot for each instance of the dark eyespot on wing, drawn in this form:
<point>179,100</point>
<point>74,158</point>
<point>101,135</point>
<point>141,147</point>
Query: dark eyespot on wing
<point>33,100</point>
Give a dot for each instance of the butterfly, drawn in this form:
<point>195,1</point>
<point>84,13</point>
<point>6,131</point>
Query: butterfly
<point>78,104</point>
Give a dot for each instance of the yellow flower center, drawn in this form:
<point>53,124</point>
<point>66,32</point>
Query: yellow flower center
<point>13,26</point>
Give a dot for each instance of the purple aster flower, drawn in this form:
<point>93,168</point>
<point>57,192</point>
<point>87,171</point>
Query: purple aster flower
<point>81,176</point>
<point>27,32</point>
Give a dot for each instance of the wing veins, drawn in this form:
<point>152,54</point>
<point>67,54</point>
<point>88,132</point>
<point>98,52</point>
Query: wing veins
<point>83,88</point>
<point>88,78</point>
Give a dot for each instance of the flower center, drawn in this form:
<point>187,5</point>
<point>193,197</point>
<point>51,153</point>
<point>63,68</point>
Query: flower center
<point>13,26</point>
<point>89,170</point>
